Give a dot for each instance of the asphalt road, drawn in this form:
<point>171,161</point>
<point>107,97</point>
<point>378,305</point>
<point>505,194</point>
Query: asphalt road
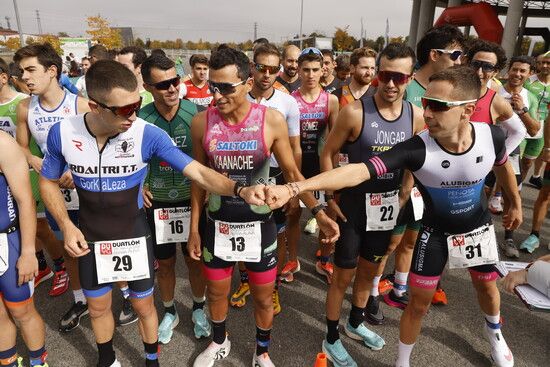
<point>451,336</point>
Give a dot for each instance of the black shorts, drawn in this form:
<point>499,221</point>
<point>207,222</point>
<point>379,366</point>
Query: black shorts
<point>166,250</point>
<point>431,253</point>
<point>405,220</point>
<point>279,215</point>
<point>138,289</point>
<point>269,249</point>
<point>355,241</point>
<point>310,165</point>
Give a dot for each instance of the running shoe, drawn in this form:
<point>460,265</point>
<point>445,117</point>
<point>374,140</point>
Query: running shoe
<point>337,354</point>
<point>238,299</point>
<point>393,300</point>
<point>385,286</point>
<point>291,267</point>
<point>500,353</point>
<point>20,362</point>
<point>127,315</point>
<point>439,298</point>
<point>311,226</point>
<point>71,319</point>
<point>495,205</point>
<point>509,248</point>
<point>201,325</point>
<point>214,352</point>
<point>167,326</point>
<point>116,363</point>
<point>530,244</point>
<point>373,313</point>
<point>370,338</point>
<point>42,276</point>
<point>536,182</point>
<point>325,269</point>
<point>60,283</point>
<point>262,361</point>
<point>276,303</point>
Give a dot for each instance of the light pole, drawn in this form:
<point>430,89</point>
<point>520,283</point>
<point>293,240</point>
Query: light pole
<point>301,22</point>
<point>18,23</point>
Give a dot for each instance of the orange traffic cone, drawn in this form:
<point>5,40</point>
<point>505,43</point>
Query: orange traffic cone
<point>321,360</point>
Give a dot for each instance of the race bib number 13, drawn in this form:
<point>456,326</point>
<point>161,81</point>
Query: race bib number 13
<point>478,247</point>
<point>238,241</point>
<point>121,260</point>
<point>382,210</point>
<point>172,224</point>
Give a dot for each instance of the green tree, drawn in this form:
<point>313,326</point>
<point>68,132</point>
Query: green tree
<point>139,42</point>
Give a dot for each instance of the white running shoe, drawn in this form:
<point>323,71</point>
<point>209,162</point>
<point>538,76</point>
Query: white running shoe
<point>500,353</point>
<point>311,226</point>
<point>214,352</point>
<point>116,363</point>
<point>262,361</point>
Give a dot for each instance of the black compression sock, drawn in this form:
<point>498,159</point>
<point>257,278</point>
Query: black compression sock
<point>42,264</point>
<point>535,233</point>
<point>262,340</point>
<point>106,354</point>
<point>508,234</point>
<point>332,331</point>
<point>59,263</point>
<point>198,305</point>
<point>151,354</point>
<point>218,332</point>
<point>356,316</point>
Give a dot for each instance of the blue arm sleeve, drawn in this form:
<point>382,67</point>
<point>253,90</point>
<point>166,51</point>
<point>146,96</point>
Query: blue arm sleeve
<point>54,163</point>
<point>66,83</point>
<point>156,142</point>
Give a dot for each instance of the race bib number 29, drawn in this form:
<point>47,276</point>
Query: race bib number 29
<point>121,260</point>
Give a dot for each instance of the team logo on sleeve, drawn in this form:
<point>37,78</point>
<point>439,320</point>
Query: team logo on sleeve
<point>124,147</point>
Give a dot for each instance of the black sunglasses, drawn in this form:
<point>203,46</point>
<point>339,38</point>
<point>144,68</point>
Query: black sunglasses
<point>122,111</point>
<point>485,66</point>
<point>166,84</point>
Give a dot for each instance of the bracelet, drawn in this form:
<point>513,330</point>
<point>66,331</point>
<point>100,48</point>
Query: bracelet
<point>317,208</point>
<point>239,191</point>
<point>293,188</point>
<point>236,189</point>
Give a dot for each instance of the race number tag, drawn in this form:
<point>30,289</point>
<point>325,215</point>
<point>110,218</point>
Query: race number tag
<point>417,203</point>
<point>4,253</point>
<point>238,241</point>
<point>343,159</point>
<point>382,210</point>
<point>514,160</point>
<point>121,260</point>
<point>71,199</point>
<point>172,224</point>
<point>319,195</point>
<point>478,247</point>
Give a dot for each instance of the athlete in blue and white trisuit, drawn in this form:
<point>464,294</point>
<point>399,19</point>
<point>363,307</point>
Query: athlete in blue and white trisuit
<point>449,162</point>
<point>18,264</point>
<point>107,151</point>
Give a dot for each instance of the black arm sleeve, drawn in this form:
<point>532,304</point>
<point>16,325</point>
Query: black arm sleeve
<point>499,139</point>
<point>409,154</point>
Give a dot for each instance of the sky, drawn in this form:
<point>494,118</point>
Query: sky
<point>218,20</point>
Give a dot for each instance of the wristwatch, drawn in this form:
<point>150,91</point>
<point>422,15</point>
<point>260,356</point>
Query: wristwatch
<point>316,209</point>
<point>523,110</point>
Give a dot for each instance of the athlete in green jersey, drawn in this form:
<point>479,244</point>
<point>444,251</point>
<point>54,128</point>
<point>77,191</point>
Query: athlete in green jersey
<point>167,194</point>
<point>414,93</point>
<point>539,85</point>
<point>146,98</point>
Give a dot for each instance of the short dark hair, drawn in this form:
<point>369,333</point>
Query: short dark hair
<point>260,40</point>
<point>438,38</point>
<point>15,71</point>
<point>156,61</point>
<point>327,52</point>
<point>44,53</point>
<point>397,50</point>
<point>4,67</point>
<point>359,53</point>
<point>99,52</point>
<point>106,75</point>
<point>230,56</point>
<point>198,59</point>
<point>138,54</point>
<point>485,46</point>
<point>464,79</point>
<point>342,62</point>
<point>158,51</point>
<point>523,59</point>
<point>266,49</point>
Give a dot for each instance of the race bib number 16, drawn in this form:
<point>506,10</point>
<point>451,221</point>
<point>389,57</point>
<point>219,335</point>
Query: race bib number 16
<point>172,224</point>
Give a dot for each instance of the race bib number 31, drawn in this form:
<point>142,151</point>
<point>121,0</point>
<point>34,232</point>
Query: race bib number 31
<point>238,241</point>
<point>382,210</point>
<point>478,247</point>
<point>121,260</point>
<point>172,224</point>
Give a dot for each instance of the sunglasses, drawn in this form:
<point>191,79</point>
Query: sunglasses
<point>263,68</point>
<point>453,54</point>
<point>485,66</point>
<point>224,88</point>
<point>166,84</point>
<point>123,111</point>
<point>439,105</point>
<point>398,78</point>
<point>311,50</point>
